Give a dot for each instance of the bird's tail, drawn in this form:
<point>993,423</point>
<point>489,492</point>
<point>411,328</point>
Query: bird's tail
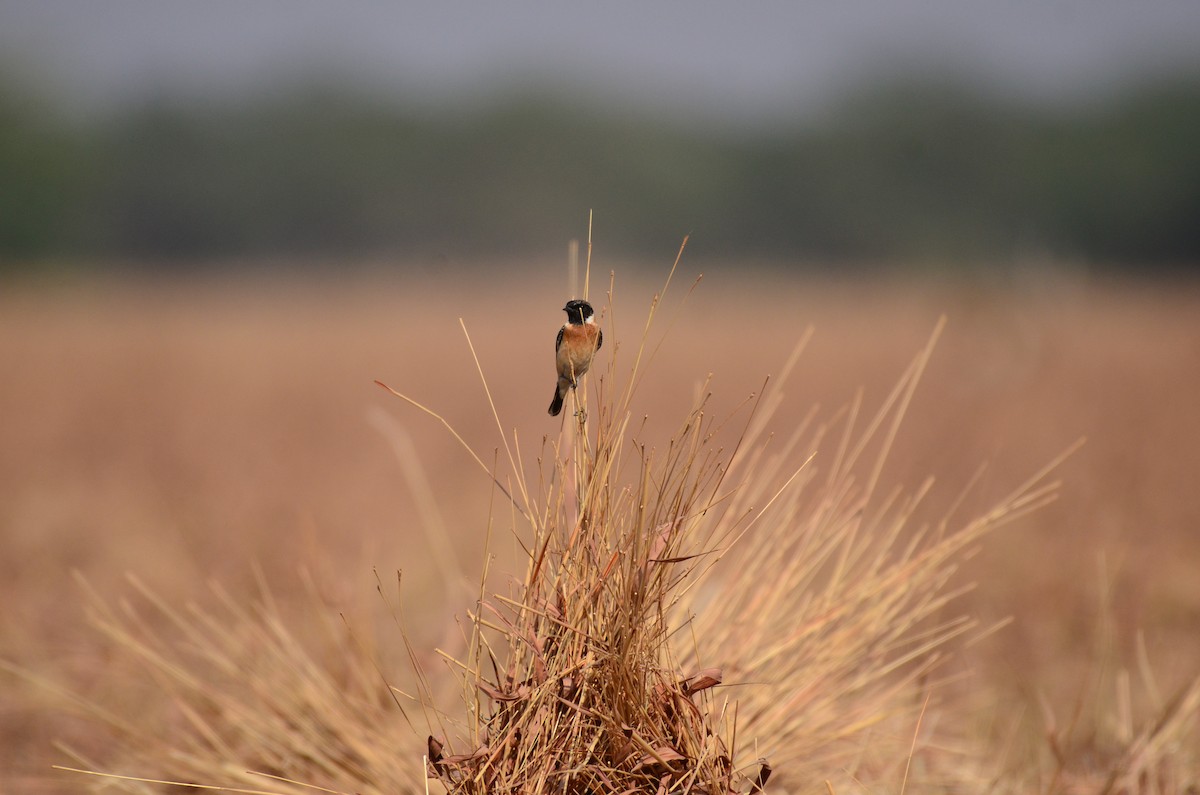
<point>557,403</point>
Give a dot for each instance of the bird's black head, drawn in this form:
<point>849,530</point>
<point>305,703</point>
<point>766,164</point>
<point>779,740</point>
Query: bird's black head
<point>578,311</point>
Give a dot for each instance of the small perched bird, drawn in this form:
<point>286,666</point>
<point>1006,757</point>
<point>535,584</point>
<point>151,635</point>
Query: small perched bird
<point>577,342</point>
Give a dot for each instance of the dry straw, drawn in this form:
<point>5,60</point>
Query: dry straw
<point>686,612</point>
<point>610,667</point>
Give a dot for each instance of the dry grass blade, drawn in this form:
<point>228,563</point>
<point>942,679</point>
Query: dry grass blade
<point>461,441</point>
<point>136,780</point>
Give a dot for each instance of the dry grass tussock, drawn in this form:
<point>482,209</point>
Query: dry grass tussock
<point>736,604</point>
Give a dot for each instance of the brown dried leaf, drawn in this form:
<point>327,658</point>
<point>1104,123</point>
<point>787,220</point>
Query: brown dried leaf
<point>677,559</point>
<point>663,755</point>
<point>760,780</point>
<point>496,694</point>
<point>701,680</point>
<point>435,749</point>
<point>459,759</point>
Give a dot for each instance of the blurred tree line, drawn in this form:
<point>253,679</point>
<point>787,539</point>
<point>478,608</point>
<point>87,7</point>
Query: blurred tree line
<point>912,171</point>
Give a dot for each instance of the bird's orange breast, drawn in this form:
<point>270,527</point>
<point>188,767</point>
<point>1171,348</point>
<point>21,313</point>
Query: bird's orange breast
<point>577,348</point>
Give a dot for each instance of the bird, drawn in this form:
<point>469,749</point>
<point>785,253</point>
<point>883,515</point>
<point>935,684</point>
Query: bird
<point>576,344</point>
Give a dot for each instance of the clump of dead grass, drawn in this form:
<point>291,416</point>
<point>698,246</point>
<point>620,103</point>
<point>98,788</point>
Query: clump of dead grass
<point>596,673</point>
<point>570,682</point>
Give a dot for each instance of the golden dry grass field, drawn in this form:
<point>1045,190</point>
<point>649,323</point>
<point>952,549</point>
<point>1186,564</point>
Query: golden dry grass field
<point>207,432</point>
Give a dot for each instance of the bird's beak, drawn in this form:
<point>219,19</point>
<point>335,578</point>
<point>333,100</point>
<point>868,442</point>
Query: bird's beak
<point>565,308</point>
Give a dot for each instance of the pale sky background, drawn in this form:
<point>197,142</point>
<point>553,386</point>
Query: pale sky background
<point>729,61</point>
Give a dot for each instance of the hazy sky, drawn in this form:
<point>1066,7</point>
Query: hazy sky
<point>725,59</point>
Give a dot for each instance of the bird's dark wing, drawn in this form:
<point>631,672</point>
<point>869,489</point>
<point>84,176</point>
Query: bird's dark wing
<point>599,338</point>
<point>558,339</point>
